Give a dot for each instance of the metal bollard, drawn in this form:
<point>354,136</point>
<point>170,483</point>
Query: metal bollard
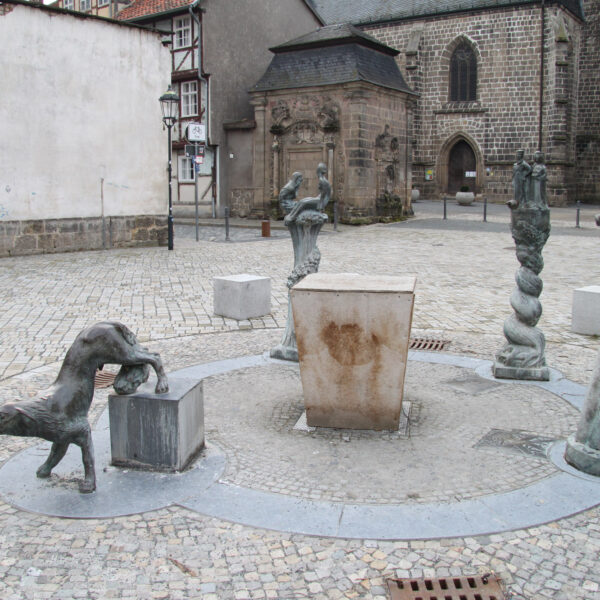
<point>335,216</point>
<point>445,212</point>
<point>227,223</point>
<point>265,228</point>
<point>485,209</point>
<point>577,214</point>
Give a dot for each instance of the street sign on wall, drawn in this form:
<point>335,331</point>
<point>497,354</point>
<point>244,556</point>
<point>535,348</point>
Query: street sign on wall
<point>196,132</point>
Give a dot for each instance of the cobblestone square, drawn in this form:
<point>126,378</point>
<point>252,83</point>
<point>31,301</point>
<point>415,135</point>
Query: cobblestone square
<point>465,274</point>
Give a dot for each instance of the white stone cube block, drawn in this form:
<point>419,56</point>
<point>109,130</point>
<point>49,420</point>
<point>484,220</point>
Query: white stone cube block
<point>353,333</point>
<point>586,310</point>
<point>242,296</point>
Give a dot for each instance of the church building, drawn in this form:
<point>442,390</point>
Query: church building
<point>492,77</point>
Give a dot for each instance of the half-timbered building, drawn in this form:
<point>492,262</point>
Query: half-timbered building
<point>219,49</point>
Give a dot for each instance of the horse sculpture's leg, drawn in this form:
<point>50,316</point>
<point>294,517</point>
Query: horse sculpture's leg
<point>56,454</point>
<point>84,440</point>
<point>141,355</point>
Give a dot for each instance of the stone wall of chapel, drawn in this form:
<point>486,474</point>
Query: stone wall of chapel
<point>506,114</point>
<point>588,102</point>
<point>359,130</point>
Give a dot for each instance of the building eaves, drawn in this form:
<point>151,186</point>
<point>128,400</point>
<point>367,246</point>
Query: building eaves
<point>364,12</point>
<point>140,10</point>
<point>334,35</point>
<point>313,9</point>
<point>77,14</point>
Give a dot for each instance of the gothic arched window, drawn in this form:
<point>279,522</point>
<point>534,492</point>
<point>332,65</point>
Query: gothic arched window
<point>463,74</point>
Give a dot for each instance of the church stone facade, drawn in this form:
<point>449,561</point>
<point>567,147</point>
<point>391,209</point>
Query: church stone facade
<point>506,113</point>
<point>493,78</point>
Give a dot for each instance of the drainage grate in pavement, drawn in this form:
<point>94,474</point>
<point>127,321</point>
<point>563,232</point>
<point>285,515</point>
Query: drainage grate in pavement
<point>517,441</point>
<point>472,384</point>
<point>104,379</point>
<point>426,344</point>
<point>481,587</point>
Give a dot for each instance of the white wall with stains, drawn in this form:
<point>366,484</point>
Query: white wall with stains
<point>80,123</point>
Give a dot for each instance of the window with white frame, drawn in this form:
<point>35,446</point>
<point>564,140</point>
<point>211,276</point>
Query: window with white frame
<point>182,33</point>
<point>69,4</point>
<point>85,5</point>
<point>103,2</point>
<point>189,98</point>
<point>185,172</point>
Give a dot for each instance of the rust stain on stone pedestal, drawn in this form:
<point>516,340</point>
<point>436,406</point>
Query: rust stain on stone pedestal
<point>348,344</point>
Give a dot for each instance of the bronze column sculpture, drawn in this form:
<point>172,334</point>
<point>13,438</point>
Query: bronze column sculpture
<point>522,357</point>
<point>304,219</point>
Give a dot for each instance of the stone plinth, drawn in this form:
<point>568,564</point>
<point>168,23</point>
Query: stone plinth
<point>242,296</point>
<point>352,333</point>
<point>586,310</point>
<point>157,431</point>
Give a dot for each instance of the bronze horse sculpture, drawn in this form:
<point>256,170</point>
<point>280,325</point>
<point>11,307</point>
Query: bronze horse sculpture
<point>59,415</point>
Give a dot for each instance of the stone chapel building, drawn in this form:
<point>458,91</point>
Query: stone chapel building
<point>482,79</point>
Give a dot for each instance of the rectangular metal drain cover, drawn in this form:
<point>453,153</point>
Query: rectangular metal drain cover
<point>426,344</point>
<point>484,587</point>
<point>104,379</point>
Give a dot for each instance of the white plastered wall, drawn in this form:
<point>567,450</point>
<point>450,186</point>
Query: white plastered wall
<point>80,120</point>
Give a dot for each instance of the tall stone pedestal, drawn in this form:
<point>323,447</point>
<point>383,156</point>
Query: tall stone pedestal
<point>352,333</point>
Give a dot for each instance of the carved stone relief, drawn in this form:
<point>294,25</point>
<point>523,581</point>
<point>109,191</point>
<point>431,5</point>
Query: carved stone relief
<point>311,121</point>
<point>387,157</point>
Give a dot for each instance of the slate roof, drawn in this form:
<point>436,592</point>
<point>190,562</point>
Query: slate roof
<point>373,11</point>
<point>329,56</point>
<point>333,35</point>
<point>146,8</point>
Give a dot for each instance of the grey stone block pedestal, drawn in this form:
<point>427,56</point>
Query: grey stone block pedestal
<point>157,431</point>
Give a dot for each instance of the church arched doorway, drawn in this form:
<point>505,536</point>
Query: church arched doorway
<point>462,167</point>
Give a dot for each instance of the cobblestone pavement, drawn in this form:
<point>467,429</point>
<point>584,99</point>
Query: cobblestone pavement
<point>464,279</point>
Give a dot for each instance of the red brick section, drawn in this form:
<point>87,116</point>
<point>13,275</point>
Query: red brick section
<point>142,8</point>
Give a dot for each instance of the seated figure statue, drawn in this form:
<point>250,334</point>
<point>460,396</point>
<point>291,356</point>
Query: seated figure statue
<point>315,203</point>
<point>288,193</point>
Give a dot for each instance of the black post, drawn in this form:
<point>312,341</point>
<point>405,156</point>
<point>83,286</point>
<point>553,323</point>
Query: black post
<point>196,192</point>
<point>335,216</point>
<point>485,209</point>
<point>227,223</point>
<point>170,217</point>
<point>445,214</point>
<point>577,214</point>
